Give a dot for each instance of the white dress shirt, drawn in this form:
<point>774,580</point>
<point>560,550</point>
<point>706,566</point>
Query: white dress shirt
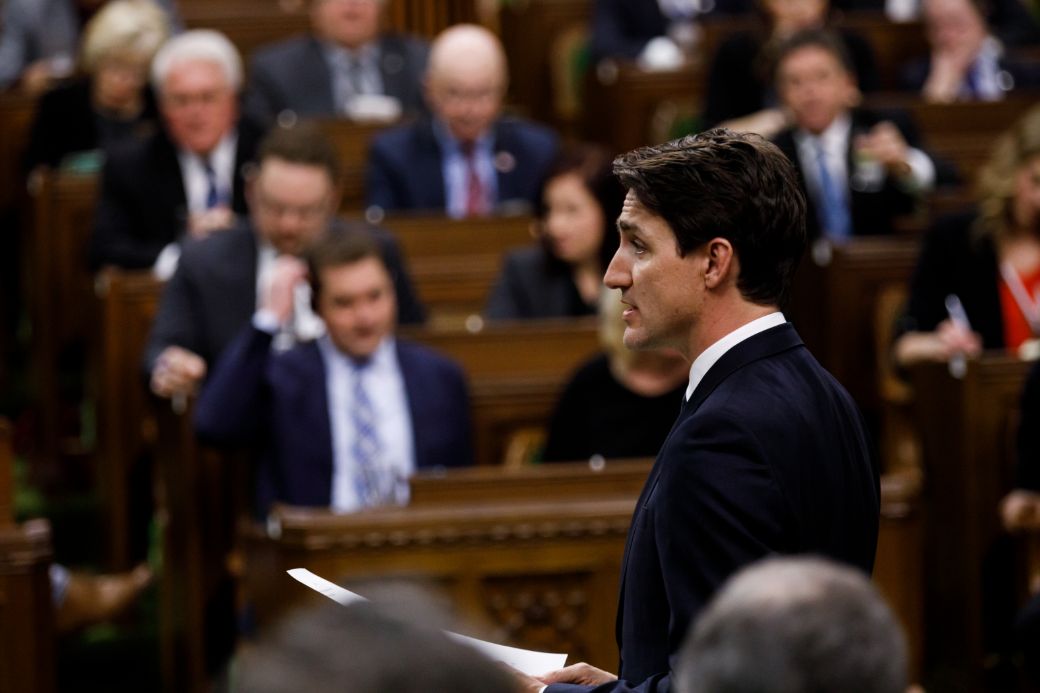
<point>703,363</point>
<point>455,169</point>
<point>384,385</point>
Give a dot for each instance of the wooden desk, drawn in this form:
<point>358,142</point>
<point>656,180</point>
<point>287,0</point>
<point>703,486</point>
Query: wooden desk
<point>17,110</point>
<point>967,428</point>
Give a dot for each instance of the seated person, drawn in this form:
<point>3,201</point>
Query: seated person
<point>786,625</point>
<point>562,275</point>
<point>39,39</point>
<point>185,181</point>
<point>989,259</point>
<point>342,421</point>
<point>293,197</point>
<point>111,101</point>
<point>656,32</point>
<point>967,63</point>
<point>468,159</point>
<point>619,404</point>
<point>740,92</point>
<point>344,57</point>
<point>858,170</point>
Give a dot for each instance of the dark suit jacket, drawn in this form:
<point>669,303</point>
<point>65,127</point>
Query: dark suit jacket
<point>738,84</point>
<point>142,205</point>
<point>66,123</point>
<point>405,165</point>
<point>622,28</point>
<point>956,259</point>
<point>769,456</point>
<point>278,402</point>
<point>1024,74</point>
<point>873,211</point>
<point>532,285</point>
<point>212,295</point>
<point>294,75</point>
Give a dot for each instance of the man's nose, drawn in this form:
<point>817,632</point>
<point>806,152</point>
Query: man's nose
<point>617,275</point>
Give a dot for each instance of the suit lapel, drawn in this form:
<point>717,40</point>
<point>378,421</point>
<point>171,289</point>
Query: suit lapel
<point>314,399</point>
<point>427,168</point>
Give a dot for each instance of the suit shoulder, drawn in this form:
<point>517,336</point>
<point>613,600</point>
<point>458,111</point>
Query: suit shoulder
<point>274,56</point>
<point>425,357</point>
<point>218,249</point>
<point>413,48</point>
<point>532,133</point>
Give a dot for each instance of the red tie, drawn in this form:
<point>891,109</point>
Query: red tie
<point>475,203</point>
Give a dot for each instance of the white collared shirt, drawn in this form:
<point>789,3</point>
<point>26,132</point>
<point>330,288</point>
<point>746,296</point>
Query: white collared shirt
<point>703,363</point>
<point>455,169</point>
<point>384,384</point>
<point>193,172</point>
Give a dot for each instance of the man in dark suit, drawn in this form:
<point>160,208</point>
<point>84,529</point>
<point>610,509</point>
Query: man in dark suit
<point>294,196</point>
<point>858,170</point>
<point>344,58</point>
<point>769,454</point>
<point>467,160</point>
<point>344,420</point>
<point>183,182</point>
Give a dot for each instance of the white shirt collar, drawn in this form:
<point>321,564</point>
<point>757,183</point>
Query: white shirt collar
<point>384,355</point>
<point>703,363</point>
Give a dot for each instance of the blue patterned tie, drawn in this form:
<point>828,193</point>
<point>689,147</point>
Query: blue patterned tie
<point>368,479</point>
<point>212,194</point>
<point>833,211</point>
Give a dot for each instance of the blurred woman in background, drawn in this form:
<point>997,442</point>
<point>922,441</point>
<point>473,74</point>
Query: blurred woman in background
<point>562,275</point>
<point>977,282</point>
<point>111,100</point>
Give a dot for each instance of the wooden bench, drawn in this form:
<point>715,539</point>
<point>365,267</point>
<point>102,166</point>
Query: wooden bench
<point>128,302</point>
<point>27,652</point>
<point>533,553</point>
<point>61,294</point>
<point>968,430</point>
<point>351,141</point>
<point>454,262</point>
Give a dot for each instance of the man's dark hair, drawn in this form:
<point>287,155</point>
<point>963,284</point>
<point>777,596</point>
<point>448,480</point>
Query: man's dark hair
<point>791,625</point>
<point>362,649</point>
<point>303,143</point>
<point>823,39</point>
<point>736,186</point>
<point>337,248</point>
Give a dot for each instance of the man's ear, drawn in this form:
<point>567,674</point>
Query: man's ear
<point>721,263</point>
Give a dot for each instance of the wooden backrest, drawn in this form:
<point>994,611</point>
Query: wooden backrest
<point>967,426</point>
<point>16,114</point>
<point>6,475</point>
<point>516,371</point>
<point>962,133</point>
<point>126,427</point>
<point>454,262</point>
<point>351,141</point>
<point>894,43</point>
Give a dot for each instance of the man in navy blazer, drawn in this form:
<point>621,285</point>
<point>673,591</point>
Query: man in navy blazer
<point>311,75</point>
<point>341,421</point>
<point>769,455</point>
<point>466,160</point>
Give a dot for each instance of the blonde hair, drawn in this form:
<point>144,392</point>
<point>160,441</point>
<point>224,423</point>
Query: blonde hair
<point>139,27</point>
<point>995,186</point>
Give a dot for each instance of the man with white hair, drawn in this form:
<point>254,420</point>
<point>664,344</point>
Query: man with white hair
<point>186,180</point>
<point>346,66</point>
<point>790,625</point>
<point>467,159</point>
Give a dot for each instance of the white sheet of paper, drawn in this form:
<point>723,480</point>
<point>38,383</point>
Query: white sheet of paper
<point>527,661</point>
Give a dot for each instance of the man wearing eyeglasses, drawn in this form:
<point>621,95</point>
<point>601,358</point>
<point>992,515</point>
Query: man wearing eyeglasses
<point>293,196</point>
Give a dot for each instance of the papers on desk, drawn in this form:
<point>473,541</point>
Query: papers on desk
<point>527,661</point>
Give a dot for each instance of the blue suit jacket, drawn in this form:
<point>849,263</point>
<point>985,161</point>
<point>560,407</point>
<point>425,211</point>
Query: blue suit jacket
<point>278,402</point>
<point>405,165</point>
<point>770,455</point>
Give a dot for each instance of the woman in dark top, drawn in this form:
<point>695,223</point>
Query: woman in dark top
<point>989,260</point>
<point>740,89</point>
<point>562,275</point>
<point>111,100</point>
<point>620,404</point>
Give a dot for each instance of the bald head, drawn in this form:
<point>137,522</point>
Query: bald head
<point>466,80</point>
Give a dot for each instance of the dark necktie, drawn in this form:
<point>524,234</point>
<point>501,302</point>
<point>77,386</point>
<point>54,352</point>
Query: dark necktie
<point>831,205</point>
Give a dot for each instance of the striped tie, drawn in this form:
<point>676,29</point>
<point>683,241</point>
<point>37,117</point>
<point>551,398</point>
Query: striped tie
<point>370,479</point>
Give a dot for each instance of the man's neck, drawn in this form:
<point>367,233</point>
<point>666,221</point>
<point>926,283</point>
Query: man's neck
<point>726,318</point>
